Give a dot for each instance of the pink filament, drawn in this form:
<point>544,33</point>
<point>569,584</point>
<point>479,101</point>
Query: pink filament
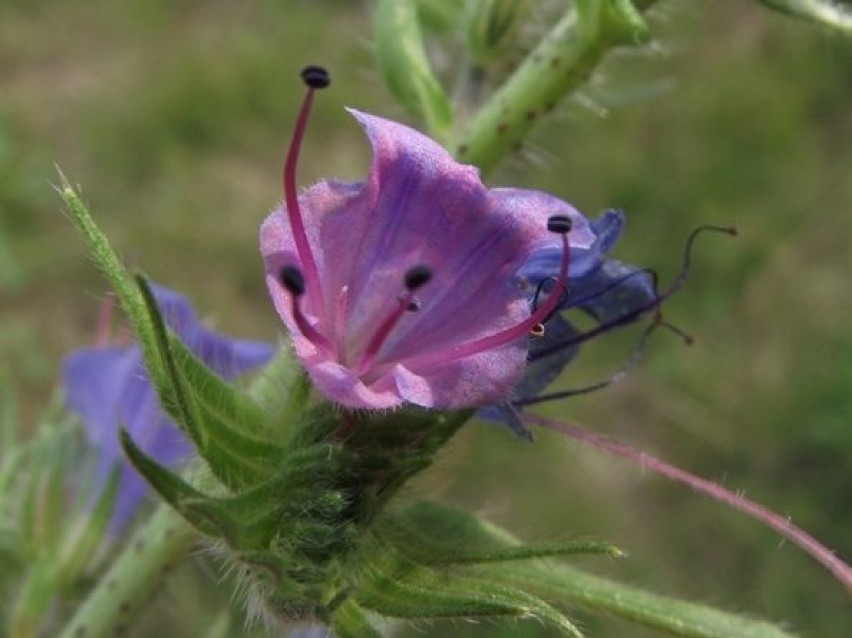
<point>294,214</point>
<point>381,334</point>
<point>506,336</point>
<point>306,328</point>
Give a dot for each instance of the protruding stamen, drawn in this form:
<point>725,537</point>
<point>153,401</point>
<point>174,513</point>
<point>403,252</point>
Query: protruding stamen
<point>623,371</point>
<point>655,303</point>
<point>557,224</point>
<point>560,224</point>
<point>293,280</point>
<point>315,77</point>
<point>415,278</point>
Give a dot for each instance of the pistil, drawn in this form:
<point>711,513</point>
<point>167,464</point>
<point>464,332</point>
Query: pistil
<point>415,278</point>
<point>315,77</point>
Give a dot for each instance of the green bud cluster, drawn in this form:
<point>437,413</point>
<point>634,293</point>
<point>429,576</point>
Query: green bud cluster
<point>51,533</point>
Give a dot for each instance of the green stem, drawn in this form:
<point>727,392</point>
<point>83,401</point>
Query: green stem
<point>133,577</point>
<point>675,617</point>
<point>822,12</point>
<point>562,61</point>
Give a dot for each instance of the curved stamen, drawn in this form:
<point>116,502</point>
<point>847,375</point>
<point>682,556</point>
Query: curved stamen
<point>315,77</point>
<point>557,224</point>
<point>655,303</point>
<point>293,280</point>
<point>632,361</point>
<point>415,278</point>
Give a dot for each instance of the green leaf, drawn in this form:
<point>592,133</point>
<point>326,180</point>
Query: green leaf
<point>350,621</point>
<point>825,13</point>
<point>129,294</point>
<point>282,391</point>
<point>201,511</point>
<point>562,584</point>
<point>204,405</point>
<point>403,62</point>
<point>394,586</point>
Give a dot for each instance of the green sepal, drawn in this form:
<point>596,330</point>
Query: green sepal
<point>403,62</point>
<point>201,511</point>
<point>281,391</point>
<point>565,585</point>
<point>207,407</point>
<point>432,546</point>
<point>349,620</point>
<point>394,586</point>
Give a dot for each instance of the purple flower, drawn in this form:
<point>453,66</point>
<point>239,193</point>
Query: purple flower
<point>109,388</point>
<point>403,288</point>
<point>611,292</point>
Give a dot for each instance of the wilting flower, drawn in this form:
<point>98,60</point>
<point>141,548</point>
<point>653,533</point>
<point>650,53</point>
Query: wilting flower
<point>109,388</point>
<point>611,292</point>
<point>404,287</point>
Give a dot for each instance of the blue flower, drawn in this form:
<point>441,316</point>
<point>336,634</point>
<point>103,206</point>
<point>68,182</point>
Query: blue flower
<point>611,292</point>
<point>109,388</point>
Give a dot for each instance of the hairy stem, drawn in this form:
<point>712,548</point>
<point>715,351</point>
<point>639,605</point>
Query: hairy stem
<point>562,61</point>
<point>133,577</point>
<point>780,524</point>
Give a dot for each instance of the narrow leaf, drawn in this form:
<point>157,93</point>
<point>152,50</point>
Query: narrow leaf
<point>200,510</point>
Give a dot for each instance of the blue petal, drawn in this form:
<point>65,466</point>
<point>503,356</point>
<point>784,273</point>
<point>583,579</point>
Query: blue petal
<point>614,290</point>
<point>545,262</point>
<point>109,389</point>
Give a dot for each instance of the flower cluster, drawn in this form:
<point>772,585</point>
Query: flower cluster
<point>415,285</point>
<point>109,389</point>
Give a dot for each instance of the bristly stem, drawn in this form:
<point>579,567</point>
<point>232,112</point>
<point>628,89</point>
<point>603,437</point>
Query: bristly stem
<point>136,573</point>
<point>562,61</point>
<point>780,524</point>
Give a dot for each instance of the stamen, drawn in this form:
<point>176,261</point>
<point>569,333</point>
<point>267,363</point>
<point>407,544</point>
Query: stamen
<point>558,224</point>
<point>623,371</point>
<point>415,278</point>
<point>293,280</point>
<point>655,303</point>
<point>315,77</point>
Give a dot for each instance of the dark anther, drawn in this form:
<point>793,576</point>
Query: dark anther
<point>414,305</point>
<point>292,279</point>
<point>316,77</point>
<point>537,331</point>
<point>559,224</point>
<point>417,276</point>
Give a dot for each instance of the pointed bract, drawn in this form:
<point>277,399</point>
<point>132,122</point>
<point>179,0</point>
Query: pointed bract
<point>109,388</point>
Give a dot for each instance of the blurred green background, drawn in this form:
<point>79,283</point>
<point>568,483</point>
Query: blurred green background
<point>173,118</point>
